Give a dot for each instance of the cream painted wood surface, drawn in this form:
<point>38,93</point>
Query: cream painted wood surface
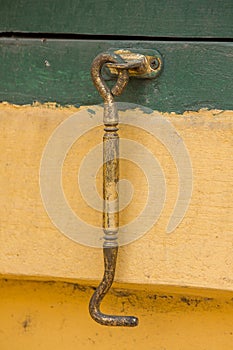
<point>197,253</point>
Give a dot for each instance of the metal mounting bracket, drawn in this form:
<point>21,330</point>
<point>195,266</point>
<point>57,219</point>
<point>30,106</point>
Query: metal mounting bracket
<point>140,63</point>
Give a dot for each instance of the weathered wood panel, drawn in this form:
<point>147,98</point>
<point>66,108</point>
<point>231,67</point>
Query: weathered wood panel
<point>195,75</point>
<point>200,19</point>
<point>197,253</point>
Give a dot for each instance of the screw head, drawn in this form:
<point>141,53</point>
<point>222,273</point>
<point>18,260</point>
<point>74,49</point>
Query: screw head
<point>154,63</point>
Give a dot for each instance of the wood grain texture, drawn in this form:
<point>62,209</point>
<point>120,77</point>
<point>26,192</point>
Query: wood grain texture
<point>195,75</point>
<point>198,253</point>
<point>180,18</point>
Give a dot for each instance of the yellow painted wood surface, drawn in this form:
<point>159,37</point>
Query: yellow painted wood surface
<point>43,315</point>
<point>198,253</point>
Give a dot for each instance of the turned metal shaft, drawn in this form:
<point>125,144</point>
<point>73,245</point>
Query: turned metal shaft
<point>110,178</point>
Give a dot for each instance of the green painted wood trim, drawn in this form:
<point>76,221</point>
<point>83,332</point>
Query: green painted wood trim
<point>180,18</point>
<point>195,75</point>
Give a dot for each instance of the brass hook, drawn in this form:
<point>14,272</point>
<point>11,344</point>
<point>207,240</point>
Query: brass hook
<point>110,193</point>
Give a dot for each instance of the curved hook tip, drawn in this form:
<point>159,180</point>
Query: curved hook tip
<point>112,320</point>
<point>133,322</point>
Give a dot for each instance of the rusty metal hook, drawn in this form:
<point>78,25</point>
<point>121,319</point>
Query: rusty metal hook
<point>110,192</point>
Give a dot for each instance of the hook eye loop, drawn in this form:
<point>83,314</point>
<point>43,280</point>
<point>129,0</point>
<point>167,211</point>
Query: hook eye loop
<point>100,84</point>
